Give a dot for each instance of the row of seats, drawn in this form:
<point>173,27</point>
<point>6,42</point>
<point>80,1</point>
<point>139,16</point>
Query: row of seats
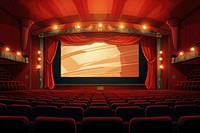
<point>5,74</point>
<point>193,85</point>
<point>7,85</point>
<point>192,81</point>
<point>78,113</point>
<point>43,124</point>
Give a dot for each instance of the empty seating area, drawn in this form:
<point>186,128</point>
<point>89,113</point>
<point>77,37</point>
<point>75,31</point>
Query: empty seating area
<point>133,111</point>
<point>8,82</point>
<point>192,81</point>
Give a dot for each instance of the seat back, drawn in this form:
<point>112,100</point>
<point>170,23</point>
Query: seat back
<point>128,112</point>
<point>189,124</point>
<point>54,125</point>
<point>11,124</point>
<point>102,125</point>
<point>98,111</point>
<point>184,110</point>
<point>162,124</point>
<point>158,110</point>
<point>19,110</point>
<point>44,110</point>
<point>74,112</point>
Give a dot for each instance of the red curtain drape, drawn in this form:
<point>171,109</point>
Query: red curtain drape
<point>89,38</point>
<point>80,39</point>
<point>149,51</point>
<point>51,44</point>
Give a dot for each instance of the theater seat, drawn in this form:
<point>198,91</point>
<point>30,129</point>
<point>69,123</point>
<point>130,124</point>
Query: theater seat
<point>162,124</point>
<point>158,110</point>
<point>14,124</point>
<point>54,125</point>
<point>189,124</point>
<point>102,125</point>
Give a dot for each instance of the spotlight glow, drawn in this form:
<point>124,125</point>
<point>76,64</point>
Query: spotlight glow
<point>100,25</point>
<point>39,59</point>
<point>192,49</point>
<point>121,26</point>
<point>18,53</point>
<point>38,66</point>
<point>161,66</point>
<point>181,53</point>
<point>144,27</point>
<point>55,27</point>
<point>7,49</point>
<point>77,26</point>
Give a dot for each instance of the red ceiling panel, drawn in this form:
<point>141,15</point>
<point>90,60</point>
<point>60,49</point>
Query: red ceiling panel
<point>100,6</point>
<point>46,12</point>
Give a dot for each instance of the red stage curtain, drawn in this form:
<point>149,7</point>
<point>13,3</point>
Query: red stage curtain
<point>149,51</point>
<point>80,39</point>
<point>51,44</point>
<point>89,38</point>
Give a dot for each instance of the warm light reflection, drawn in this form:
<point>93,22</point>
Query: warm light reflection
<point>18,53</point>
<point>77,26</point>
<point>100,25</point>
<point>181,53</point>
<point>39,59</point>
<point>121,26</point>
<point>38,66</point>
<point>160,52</point>
<point>192,49</point>
<point>160,59</point>
<point>161,66</point>
<point>144,27</point>
<point>55,27</point>
<point>39,52</point>
<point>7,49</point>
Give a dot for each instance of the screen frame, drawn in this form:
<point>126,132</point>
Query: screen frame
<point>99,80</point>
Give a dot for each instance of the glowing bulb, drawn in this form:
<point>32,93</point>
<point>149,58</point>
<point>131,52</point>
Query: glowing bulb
<point>77,26</point>
<point>39,52</point>
<point>38,66</point>
<point>7,49</point>
<point>121,26</point>
<point>160,58</point>
<point>18,53</point>
<point>161,52</point>
<point>181,53</point>
<point>39,59</point>
<point>161,66</point>
<point>144,27</point>
<point>192,49</point>
<point>100,25</point>
<point>55,27</point>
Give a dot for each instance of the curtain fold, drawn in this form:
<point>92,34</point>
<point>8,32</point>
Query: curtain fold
<point>79,39</point>
<point>149,51</point>
<point>51,44</point>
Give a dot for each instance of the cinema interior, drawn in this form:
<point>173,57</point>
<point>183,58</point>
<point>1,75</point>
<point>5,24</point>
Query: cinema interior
<point>100,66</point>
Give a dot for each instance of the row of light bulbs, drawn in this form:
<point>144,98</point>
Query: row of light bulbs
<point>7,49</point>
<point>161,66</point>
<point>39,60</point>
<point>192,49</point>
<point>100,25</point>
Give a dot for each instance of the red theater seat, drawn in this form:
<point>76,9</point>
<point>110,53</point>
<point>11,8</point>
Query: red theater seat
<point>99,111</point>
<point>162,124</point>
<point>76,113</point>
<point>102,125</point>
<point>54,125</point>
<point>158,110</point>
<point>14,124</point>
<point>189,124</point>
